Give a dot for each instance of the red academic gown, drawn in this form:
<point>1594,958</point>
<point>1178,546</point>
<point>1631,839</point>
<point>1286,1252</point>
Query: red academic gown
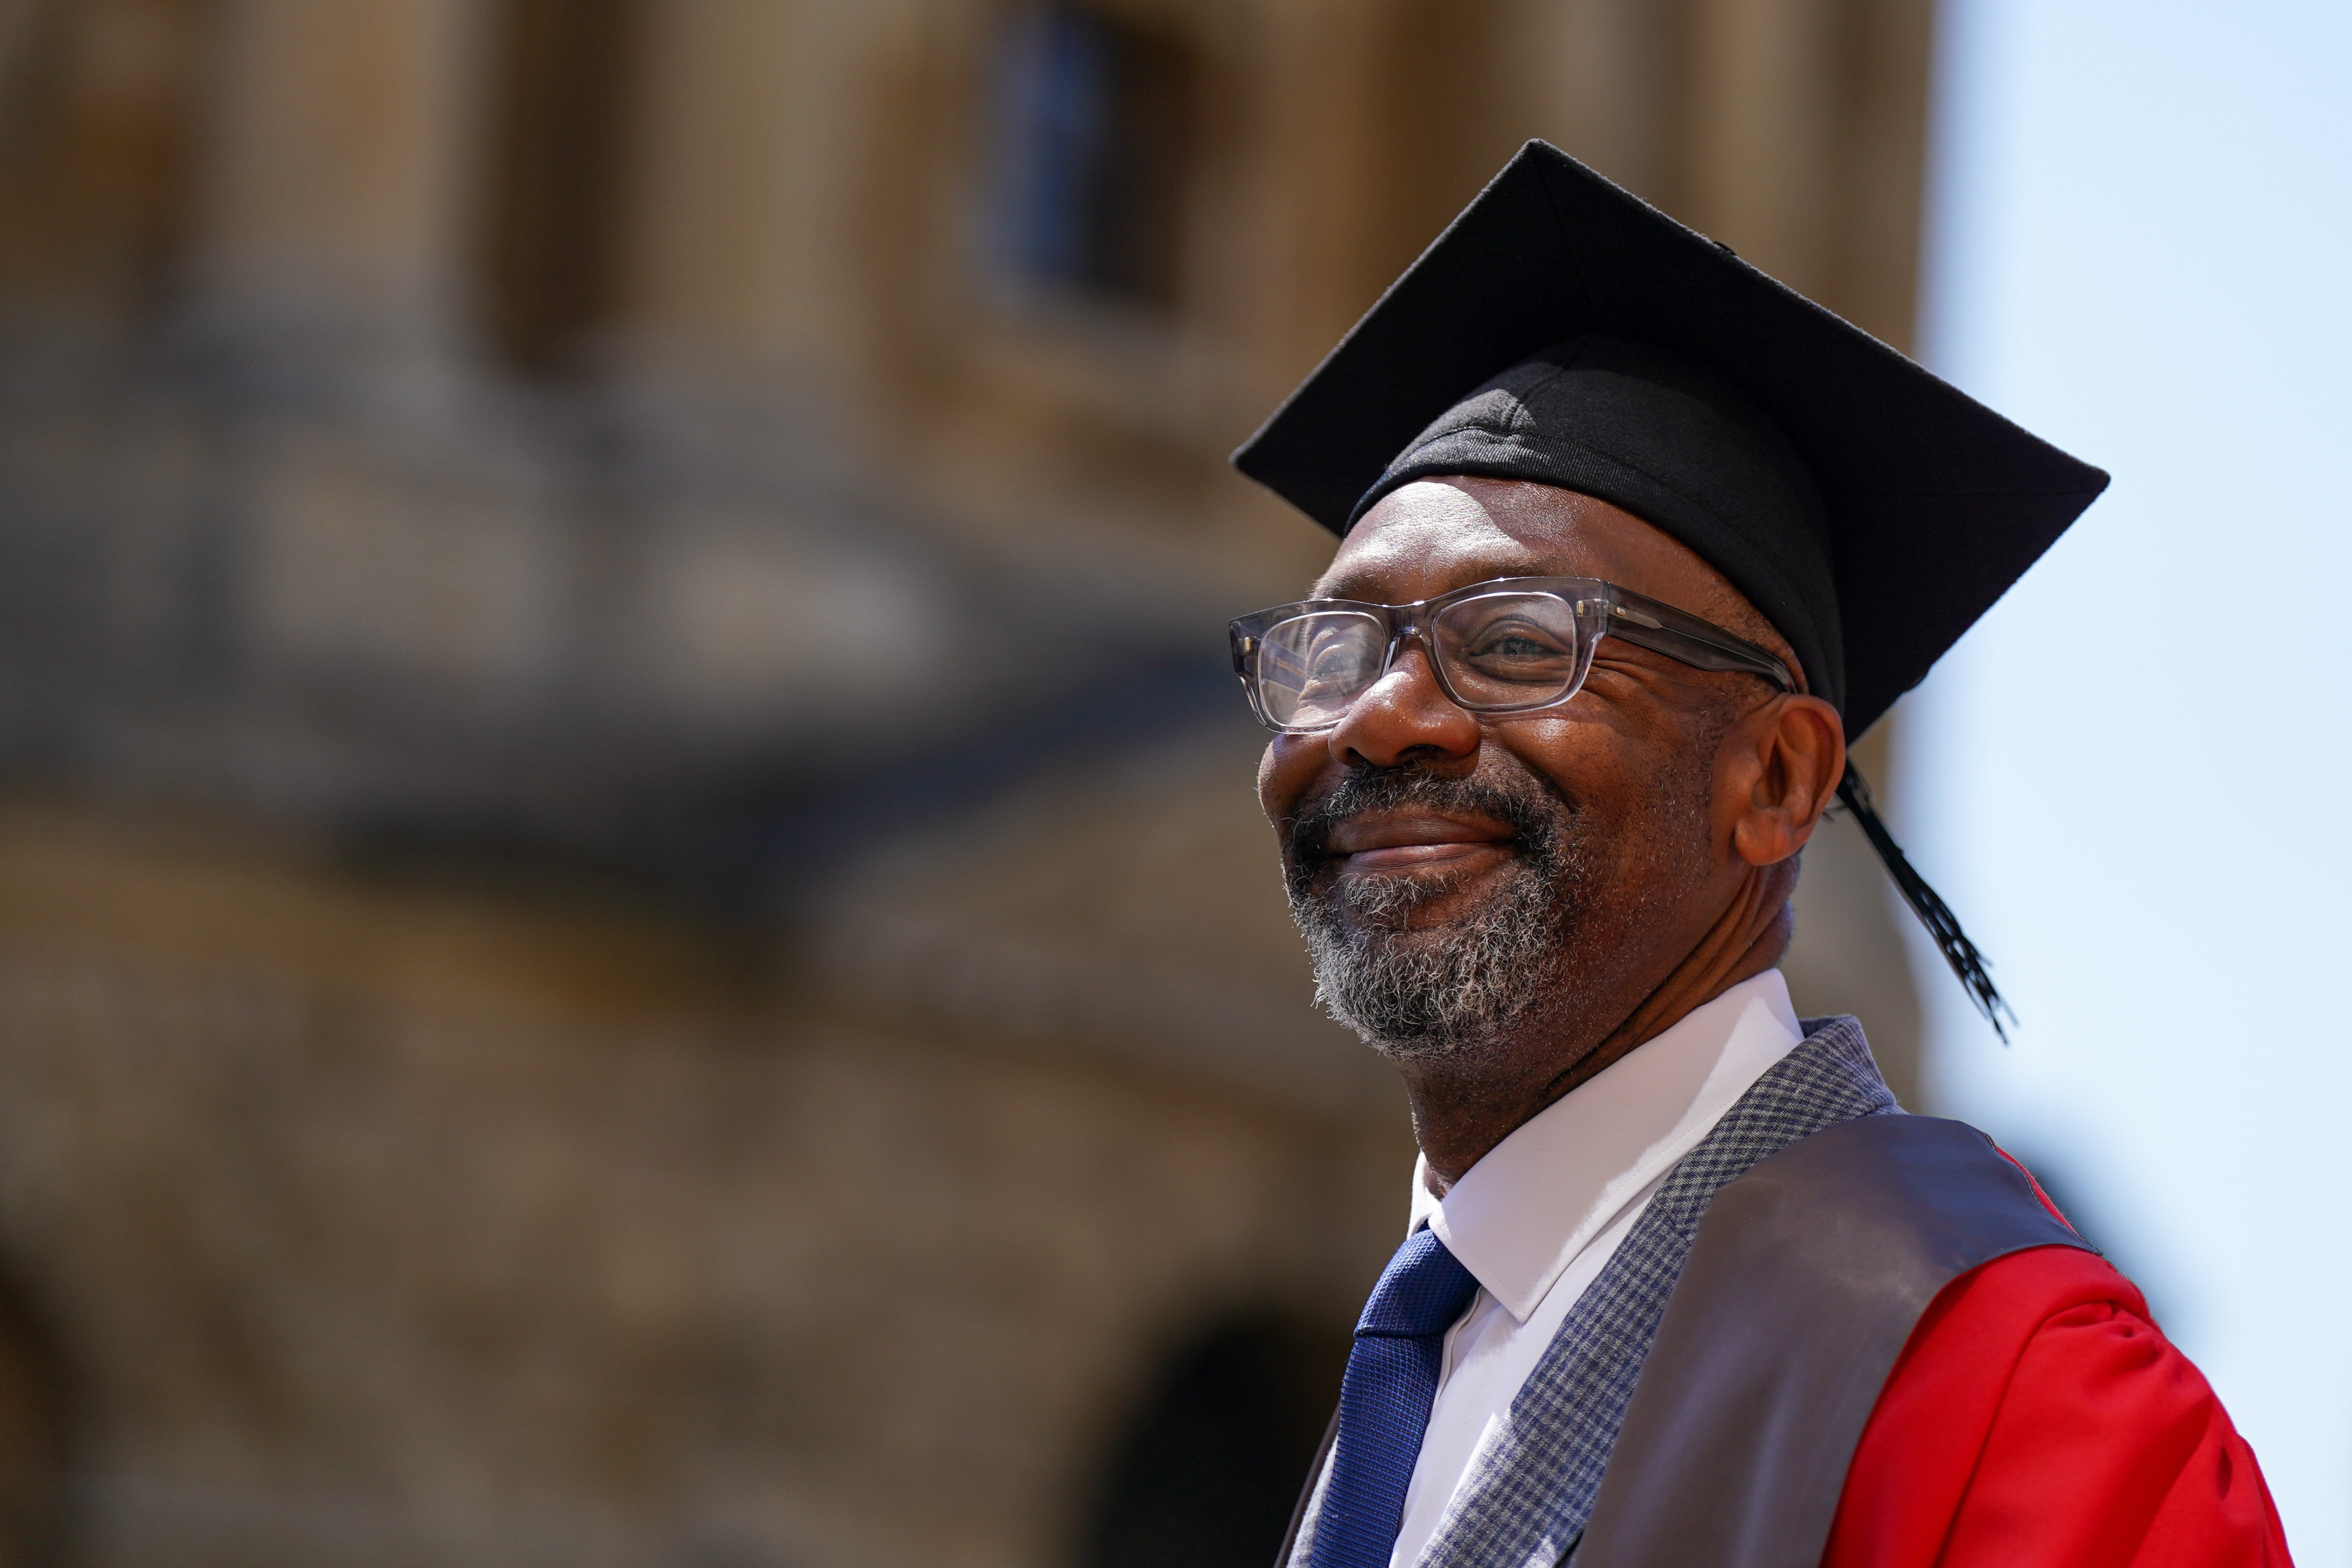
<point>2037,1418</point>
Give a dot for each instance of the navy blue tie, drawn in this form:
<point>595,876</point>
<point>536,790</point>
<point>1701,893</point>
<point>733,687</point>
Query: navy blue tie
<point>1384,1402</point>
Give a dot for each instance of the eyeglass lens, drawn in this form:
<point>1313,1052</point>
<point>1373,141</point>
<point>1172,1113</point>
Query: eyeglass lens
<point>1494,651</point>
<point>1312,668</point>
<point>1506,650</point>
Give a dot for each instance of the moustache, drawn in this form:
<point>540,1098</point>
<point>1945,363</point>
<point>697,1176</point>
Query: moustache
<point>1529,807</point>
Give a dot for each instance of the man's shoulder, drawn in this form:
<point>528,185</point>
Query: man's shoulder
<point>1875,1214</point>
<point>2038,1412</point>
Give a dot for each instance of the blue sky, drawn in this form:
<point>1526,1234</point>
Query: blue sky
<point>2131,780</point>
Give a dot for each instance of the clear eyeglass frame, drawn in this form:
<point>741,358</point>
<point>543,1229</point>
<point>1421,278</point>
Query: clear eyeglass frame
<point>1510,644</point>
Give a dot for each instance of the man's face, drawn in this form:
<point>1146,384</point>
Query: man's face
<point>1456,876</point>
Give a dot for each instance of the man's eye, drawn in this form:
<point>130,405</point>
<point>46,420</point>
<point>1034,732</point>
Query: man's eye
<point>1515,646</point>
<point>1513,642</point>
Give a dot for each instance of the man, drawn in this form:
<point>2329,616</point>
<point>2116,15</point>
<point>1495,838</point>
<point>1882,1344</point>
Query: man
<point>1632,540</point>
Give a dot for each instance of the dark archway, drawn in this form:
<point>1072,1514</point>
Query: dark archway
<point>1206,1470</point>
<point>33,1420</point>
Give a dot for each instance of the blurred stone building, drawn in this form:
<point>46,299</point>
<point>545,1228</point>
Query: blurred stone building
<point>631,924</point>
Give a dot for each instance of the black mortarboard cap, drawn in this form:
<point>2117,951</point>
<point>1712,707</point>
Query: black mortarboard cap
<point>1916,506</point>
<point>1563,330</point>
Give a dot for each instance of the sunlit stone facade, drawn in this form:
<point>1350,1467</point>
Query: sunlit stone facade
<point>632,926</point>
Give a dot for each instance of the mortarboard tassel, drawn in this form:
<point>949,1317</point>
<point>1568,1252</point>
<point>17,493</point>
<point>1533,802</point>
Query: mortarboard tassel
<point>1934,913</point>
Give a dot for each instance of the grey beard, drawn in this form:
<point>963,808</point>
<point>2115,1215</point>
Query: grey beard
<point>1437,991</point>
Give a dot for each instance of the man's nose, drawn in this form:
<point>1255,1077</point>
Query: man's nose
<point>1406,717</point>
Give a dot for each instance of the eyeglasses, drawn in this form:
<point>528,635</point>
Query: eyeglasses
<point>1510,646</point>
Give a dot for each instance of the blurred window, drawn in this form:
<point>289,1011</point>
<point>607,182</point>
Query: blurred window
<point>551,234</point>
<point>1210,1466</point>
<point>96,100</point>
<point>1093,139</point>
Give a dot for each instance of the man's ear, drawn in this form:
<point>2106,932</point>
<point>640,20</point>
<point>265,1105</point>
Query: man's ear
<point>1784,763</point>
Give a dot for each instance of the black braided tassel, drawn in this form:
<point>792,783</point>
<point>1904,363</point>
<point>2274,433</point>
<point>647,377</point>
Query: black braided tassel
<point>1934,913</point>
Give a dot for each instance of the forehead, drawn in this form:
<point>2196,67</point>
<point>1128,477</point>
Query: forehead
<point>1436,535</point>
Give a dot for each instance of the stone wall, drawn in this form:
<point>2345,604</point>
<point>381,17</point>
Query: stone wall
<point>375,1222</point>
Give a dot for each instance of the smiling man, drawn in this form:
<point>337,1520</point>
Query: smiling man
<point>1632,540</point>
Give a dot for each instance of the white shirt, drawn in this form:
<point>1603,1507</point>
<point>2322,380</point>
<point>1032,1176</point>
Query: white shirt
<point>1536,1220</point>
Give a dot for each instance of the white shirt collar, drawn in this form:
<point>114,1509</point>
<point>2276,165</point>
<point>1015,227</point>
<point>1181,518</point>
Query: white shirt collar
<point>1520,1215</point>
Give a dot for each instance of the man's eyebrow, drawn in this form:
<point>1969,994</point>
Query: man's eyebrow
<point>1348,586</point>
